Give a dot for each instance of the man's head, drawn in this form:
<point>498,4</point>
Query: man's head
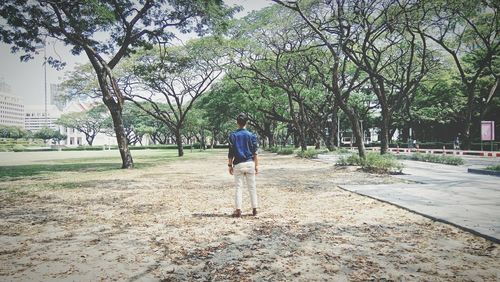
<point>242,119</point>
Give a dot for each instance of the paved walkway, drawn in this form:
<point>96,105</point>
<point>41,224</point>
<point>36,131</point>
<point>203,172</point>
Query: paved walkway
<point>443,192</point>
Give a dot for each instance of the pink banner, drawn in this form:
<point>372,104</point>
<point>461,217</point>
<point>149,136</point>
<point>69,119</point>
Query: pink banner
<point>487,130</point>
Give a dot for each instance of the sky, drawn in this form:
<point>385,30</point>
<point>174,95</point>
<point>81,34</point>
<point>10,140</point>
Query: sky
<point>26,79</point>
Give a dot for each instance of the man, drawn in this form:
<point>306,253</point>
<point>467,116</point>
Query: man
<point>243,163</point>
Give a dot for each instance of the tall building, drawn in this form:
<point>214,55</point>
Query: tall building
<point>56,96</point>
<point>34,117</point>
<point>11,107</point>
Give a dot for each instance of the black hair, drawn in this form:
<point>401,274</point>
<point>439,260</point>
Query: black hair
<point>242,119</point>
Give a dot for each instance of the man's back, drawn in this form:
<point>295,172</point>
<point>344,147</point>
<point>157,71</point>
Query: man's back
<point>242,145</point>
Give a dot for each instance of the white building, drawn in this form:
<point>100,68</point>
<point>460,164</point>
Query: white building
<point>77,138</point>
<point>11,107</point>
<point>35,119</point>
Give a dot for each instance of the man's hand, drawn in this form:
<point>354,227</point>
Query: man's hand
<point>256,170</point>
<point>231,170</point>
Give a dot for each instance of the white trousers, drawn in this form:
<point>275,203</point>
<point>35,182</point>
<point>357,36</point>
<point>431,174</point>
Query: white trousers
<point>244,173</point>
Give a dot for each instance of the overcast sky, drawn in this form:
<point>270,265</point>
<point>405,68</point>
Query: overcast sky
<point>27,79</point>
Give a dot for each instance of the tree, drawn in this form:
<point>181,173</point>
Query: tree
<point>324,19</point>
<point>394,58</point>
<point>90,122</point>
<point>106,31</point>
<point>173,78</point>
<point>468,32</point>
<point>270,50</point>
<point>12,132</point>
<point>134,124</point>
<point>47,133</point>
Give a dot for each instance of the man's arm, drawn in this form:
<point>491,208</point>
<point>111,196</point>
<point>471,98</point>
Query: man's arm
<point>255,147</point>
<point>230,156</point>
<point>256,161</point>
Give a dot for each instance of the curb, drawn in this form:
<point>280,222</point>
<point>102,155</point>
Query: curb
<point>483,172</point>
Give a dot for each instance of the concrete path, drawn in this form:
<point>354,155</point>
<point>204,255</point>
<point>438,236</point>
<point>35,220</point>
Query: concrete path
<point>444,193</point>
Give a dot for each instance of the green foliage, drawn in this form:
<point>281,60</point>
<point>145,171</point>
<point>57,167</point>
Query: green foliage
<point>494,167</point>
<point>89,122</point>
<point>47,133</point>
<point>310,153</point>
<point>435,158</point>
<point>374,162</point>
<point>351,160</point>
<point>18,148</point>
<point>12,132</point>
<point>285,151</point>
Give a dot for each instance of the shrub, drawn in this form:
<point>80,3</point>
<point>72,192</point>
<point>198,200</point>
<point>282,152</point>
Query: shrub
<point>374,162</point>
<point>18,148</point>
<point>433,158</point>
<point>274,149</point>
<point>386,163</point>
<point>352,159</point>
<point>84,148</point>
<point>310,153</point>
<point>494,167</point>
<point>285,151</point>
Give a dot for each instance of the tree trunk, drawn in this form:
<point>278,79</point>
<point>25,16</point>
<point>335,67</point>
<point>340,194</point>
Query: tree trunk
<point>384,131</point>
<point>301,127</point>
<point>178,141</point>
<point>103,72</point>
<point>212,142</point>
<point>121,138</point>
<point>356,129</point>
<point>317,144</point>
<point>468,117</point>
<point>269,134</point>
<point>90,139</point>
<point>296,142</point>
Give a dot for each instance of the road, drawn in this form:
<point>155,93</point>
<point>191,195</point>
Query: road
<point>444,193</point>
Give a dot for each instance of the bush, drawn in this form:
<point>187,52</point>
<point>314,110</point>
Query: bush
<point>84,148</point>
<point>386,163</point>
<point>18,148</point>
<point>352,159</point>
<point>433,158</point>
<point>310,153</point>
<point>494,167</point>
<point>285,151</point>
<point>274,149</point>
<point>374,162</point>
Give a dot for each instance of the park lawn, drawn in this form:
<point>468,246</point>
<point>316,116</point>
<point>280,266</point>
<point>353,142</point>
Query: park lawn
<point>110,161</point>
<point>169,219</point>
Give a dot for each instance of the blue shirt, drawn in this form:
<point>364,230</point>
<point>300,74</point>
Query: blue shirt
<point>242,146</point>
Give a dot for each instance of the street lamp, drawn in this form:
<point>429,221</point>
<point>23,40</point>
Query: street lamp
<point>44,75</point>
<point>45,79</point>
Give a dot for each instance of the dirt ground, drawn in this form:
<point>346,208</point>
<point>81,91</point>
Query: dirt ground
<point>172,222</point>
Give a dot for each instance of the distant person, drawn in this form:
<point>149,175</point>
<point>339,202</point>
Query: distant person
<point>243,163</point>
<point>456,143</point>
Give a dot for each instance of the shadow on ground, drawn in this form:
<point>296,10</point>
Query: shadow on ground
<point>20,171</point>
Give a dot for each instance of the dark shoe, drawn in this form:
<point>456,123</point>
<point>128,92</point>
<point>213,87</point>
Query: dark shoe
<point>237,213</point>
<point>254,212</point>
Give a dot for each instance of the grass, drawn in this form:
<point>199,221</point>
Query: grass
<point>142,160</point>
<point>374,162</point>
<point>433,158</point>
<point>494,167</point>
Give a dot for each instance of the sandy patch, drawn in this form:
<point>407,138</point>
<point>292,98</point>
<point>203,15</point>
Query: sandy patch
<point>172,222</point>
